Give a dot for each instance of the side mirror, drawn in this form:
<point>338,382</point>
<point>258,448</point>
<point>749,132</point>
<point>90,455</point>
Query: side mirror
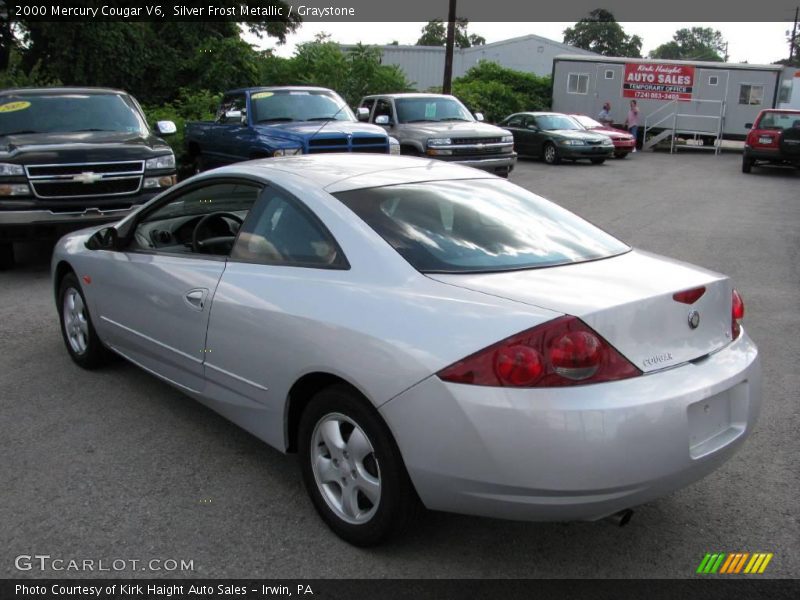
<point>103,239</point>
<point>748,125</point>
<point>479,116</point>
<point>382,120</point>
<point>233,115</point>
<point>166,128</point>
<point>533,128</point>
<point>362,113</point>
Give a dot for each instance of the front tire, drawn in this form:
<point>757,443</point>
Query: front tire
<point>80,337</point>
<point>352,468</point>
<point>550,154</point>
<point>597,161</point>
<point>6,256</point>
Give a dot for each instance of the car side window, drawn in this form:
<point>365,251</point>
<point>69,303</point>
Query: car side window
<point>283,232</point>
<point>234,102</point>
<point>368,104</point>
<point>514,121</point>
<point>383,108</point>
<point>203,220</point>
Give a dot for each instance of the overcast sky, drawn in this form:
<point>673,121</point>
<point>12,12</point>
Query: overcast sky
<point>751,42</point>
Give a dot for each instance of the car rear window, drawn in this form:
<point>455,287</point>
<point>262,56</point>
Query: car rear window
<point>779,120</point>
<point>478,225</point>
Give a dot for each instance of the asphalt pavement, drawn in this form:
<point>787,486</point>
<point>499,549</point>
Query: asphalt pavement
<point>116,465</point>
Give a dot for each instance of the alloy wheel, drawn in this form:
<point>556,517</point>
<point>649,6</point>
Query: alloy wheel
<point>76,324</point>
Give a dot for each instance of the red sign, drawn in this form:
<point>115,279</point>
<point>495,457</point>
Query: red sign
<point>654,81</point>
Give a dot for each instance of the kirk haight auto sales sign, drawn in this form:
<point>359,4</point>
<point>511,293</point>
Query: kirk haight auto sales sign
<point>654,81</point>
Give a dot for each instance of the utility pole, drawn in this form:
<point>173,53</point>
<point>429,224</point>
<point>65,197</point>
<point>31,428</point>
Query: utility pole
<point>794,35</point>
<point>448,51</point>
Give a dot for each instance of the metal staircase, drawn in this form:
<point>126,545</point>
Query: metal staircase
<point>675,119</point>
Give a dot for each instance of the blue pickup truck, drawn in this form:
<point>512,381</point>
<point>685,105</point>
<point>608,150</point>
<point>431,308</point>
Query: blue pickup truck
<point>280,121</point>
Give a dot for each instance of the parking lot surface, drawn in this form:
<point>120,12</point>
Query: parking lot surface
<point>114,464</point>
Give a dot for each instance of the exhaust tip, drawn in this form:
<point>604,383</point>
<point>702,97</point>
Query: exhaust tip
<point>621,518</point>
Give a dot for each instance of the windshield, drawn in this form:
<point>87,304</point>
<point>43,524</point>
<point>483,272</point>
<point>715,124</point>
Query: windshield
<point>778,120</point>
<point>477,225</point>
<point>38,113</point>
<point>552,122</point>
<point>587,122</point>
<point>299,105</point>
<point>432,108</point>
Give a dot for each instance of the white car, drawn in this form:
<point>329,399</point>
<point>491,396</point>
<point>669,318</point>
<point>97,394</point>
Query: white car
<point>420,332</point>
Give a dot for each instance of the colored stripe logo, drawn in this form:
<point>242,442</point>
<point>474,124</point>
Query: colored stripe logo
<point>732,563</point>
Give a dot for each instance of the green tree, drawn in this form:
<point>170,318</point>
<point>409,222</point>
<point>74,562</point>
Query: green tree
<point>601,33</point>
<point>497,91</point>
<point>435,34</point>
<point>697,43</point>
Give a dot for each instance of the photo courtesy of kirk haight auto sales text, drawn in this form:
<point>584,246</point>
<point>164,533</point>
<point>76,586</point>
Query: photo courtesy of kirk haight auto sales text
<point>134,590</point>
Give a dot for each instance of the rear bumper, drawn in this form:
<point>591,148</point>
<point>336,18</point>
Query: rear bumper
<point>575,454</point>
<point>770,155</point>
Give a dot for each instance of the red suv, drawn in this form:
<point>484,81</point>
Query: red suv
<point>774,138</point>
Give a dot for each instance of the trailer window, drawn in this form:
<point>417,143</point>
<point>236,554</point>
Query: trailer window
<point>578,83</point>
<point>713,80</point>
<point>751,94</point>
<point>609,74</point>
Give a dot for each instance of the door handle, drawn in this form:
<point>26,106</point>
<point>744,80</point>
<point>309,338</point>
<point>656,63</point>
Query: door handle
<point>196,298</point>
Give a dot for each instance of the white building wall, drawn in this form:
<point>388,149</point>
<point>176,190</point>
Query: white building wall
<point>424,65</point>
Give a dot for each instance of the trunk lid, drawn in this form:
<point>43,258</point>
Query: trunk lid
<point>627,299</point>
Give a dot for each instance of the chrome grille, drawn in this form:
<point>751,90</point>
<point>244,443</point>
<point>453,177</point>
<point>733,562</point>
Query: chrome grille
<point>476,140</point>
<point>80,180</point>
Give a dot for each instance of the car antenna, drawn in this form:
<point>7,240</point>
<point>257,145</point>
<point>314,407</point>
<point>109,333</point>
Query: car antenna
<point>332,118</point>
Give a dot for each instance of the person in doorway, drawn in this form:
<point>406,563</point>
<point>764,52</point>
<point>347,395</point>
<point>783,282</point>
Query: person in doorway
<point>632,122</point>
<point>605,115</point>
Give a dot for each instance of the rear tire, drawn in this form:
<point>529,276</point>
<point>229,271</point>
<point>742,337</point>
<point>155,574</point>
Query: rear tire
<point>80,337</point>
<point>550,154</point>
<point>597,161</point>
<point>6,256</point>
<point>747,164</point>
<point>352,468</point>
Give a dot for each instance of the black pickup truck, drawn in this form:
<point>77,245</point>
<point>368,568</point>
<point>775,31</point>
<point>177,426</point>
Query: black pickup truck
<point>74,157</point>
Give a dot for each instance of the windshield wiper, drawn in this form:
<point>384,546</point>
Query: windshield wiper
<point>454,119</point>
<point>92,129</point>
<point>21,132</point>
<point>421,121</point>
<point>275,119</point>
<point>321,119</point>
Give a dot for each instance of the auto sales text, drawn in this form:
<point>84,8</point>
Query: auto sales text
<point>162,591</point>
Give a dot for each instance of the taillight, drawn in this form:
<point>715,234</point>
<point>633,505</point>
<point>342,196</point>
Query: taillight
<point>737,314</point>
<point>562,352</point>
<point>689,296</point>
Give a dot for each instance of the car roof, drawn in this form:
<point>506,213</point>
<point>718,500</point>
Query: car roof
<point>789,111</point>
<point>60,90</point>
<point>409,95</point>
<point>278,88</point>
<point>341,172</point>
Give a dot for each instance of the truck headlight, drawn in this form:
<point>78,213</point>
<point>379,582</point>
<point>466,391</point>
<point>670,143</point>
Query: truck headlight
<point>394,145</point>
<point>161,162</point>
<point>7,169</point>
<point>164,181</point>
<point>439,141</point>
<point>15,189</point>
<point>287,151</point>
<point>507,139</point>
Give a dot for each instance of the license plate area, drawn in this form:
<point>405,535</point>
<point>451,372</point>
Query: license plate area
<point>717,420</point>
<point>765,140</point>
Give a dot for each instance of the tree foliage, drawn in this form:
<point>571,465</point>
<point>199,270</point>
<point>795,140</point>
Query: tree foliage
<point>353,73</point>
<point>697,43</point>
<point>497,91</point>
<point>435,34</point>
<point>601,33</point>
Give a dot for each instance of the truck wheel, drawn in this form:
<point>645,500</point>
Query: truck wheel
<point>550,154</point>
<point>6,255</point>
<point>747,164</point>
<point>198,164</point>
<point>409,151</point>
